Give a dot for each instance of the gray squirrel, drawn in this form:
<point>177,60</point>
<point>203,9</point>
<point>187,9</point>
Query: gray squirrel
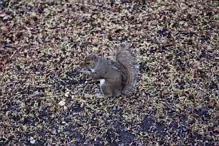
<point>116,77</point>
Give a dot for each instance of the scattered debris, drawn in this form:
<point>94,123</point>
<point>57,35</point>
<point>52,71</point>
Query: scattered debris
<point>45,101</point>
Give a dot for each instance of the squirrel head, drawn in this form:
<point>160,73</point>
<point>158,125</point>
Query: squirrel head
<point>90,62</point>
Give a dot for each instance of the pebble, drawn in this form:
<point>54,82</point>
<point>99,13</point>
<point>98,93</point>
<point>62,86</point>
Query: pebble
<point>32,140</point>
<point>62,103</point>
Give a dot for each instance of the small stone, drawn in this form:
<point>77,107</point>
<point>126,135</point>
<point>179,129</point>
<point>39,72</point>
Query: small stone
<point>54,131</point>
<point>38,73</point>
<point>67,94</point>
<point>2,14</point>
<point>72,96</point>
<point>32,140</point>
<point>22,105</point>
<point>62,103</point>
<point>49,104</point>
<point>4,29</point>
<point>6,17</point>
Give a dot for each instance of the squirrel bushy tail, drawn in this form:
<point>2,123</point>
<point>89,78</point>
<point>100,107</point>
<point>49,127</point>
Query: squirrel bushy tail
<point>128,67</point>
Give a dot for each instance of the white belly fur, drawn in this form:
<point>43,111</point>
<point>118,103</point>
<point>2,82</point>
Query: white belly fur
<point>92,70</point>
<point>102,81</point>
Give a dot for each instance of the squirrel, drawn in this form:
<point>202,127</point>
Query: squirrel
<point>116,77</point>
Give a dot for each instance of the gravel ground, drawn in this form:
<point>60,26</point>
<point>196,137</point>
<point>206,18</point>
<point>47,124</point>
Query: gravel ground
<point>44,101</point>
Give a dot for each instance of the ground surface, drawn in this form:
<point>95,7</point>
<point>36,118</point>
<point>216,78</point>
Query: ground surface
<point>44,101</point>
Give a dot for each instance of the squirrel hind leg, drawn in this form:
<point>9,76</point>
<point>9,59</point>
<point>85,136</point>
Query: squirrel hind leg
<point>107,93</point>
<point>117,93</point>
<point>128,90</point>
<point>106,90</point>
<point>111,91</point>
